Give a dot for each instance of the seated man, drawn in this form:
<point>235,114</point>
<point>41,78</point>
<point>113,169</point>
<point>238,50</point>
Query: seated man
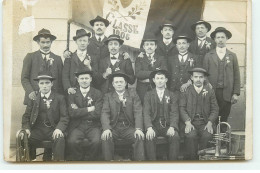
<point>121,118</point>
<point>84,111</point>
<point>198,110</point>
<point>46,118</point>
<point>161,116</point>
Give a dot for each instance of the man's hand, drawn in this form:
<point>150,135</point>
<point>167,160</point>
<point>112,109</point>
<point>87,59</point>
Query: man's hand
<point>87,63</point>
<point>139,134</point>
<point>106,135</point>
<point>126,55</point>
<point>234,99</point>
<point>67,54</point>
<point>28,133</point>
<point>74,106</point>
<point>189,127</point>
<point>57,133</point>
<point>107,73</point>
<point>170,131</point>
<point>210,86</point>
<point>141,55</point>
<point>71,91</point>
<point>209,127</point>
<point>184,87</point>
<point>32,95</point>
<point>91,109</point>
<point>150,134</point>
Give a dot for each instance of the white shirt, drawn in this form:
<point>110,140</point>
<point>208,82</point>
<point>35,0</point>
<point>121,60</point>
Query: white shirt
<point>97,37</point>
<point>184,57</point>
<point>221,52</point>
<point>167,41</point>
<point>113,61</point>
<point>84,91</point>
<point>120,95</point>
<point>46,95</point>
<point>198,89</point>
<point>47,56</point>
<point>160,93</point>
<point>203,40</point>
<point>151,55</point>
<point>81,54</point>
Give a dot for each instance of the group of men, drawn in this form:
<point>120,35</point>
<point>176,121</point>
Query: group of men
<point>85,105</point>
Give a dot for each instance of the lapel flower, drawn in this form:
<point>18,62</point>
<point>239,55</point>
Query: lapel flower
<point>48,103</point>
<point>167,99</point>
<point>88,57</point>
<point>204,92</point>
<point>153,61</point>
<point>227,58</point>
<point>208,44</point>
<point>50,60</point>
<point>123,100</point>
<point>191,60</point>
<point>90,100</point>
<point>117,69</point>
<point>141,55</point>
<point>126,55</point>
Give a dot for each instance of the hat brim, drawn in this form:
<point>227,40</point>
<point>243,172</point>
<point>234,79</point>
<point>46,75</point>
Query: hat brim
<point>228,33</point>
<point>208,25</point>
<point>165,72</point>
<point>169,25</point>
<point>106,22</point>
<point>36,38</point>
<point>44,77</point>
<point>126,77</point>
<point>83,35</point>
<point>119,40</point>
<point>187,38</point>
<point>191,72</point>
<point>144,40</point>
<point>83,72</point>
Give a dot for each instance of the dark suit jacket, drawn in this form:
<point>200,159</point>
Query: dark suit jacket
<point>176,78</point>
<point>194,49</point>
<point>111,109</point>
<point>57,113</point>
<point>171,110</point>
<point>73,64</point>
<point>124,65</point>
<point>187,104</point>
<point>231,73</point>
<point>33,63</point>
<point>96,49</point>
<point>77,115</point>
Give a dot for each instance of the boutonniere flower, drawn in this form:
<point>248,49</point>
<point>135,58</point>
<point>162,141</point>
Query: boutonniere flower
<point>50,60</point>
<point>191,60</point>
<point>153,61</point>
<point>204,92</point>
<point>208,44</point>
<point>90,100</point>
<point>117,69</point>
<point>227,58</point>
<point>141,55</point>
<point>88,57</point>
<point>47,102</point>
<point>123,100</point>
<point>167,99</point>
<point>126,55</point>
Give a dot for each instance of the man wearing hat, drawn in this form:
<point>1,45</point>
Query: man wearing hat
<point>46,117</point>
<point>148,62</point>
<point>114,62</point>
<point>165,45</point>
<point>84,130</point>
<point>161,116</point>
<point>222,64</point>
<point>201,44</point>
<point>121,118</point>
<point>198,111</point>
<point>181,63</point>
<point>80,59</point>
<point>41,60</point>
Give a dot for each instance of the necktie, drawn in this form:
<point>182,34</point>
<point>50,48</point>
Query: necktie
<point>113,57</point>
<point>84,93</point>
<point>99,39</point>
<point>182,57</point>
<point>44,97</point>
<point>45,55</point>
<point>201,43</point>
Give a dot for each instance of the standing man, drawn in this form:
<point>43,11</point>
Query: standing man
<point>201,44</point>
<point>224,77</point>
<point>199,111</point>
<point>161,116</point>
<point>79,59</point>
<point>114,62</point>
<point>84,111</point>
<point>181,63</point>
<point>122,118</point>
<point>146,63</point>
<point>46,117</point>
<point>41,60</point>
<point>165,46</point>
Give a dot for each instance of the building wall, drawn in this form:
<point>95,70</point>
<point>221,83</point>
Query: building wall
<point>53,15</point>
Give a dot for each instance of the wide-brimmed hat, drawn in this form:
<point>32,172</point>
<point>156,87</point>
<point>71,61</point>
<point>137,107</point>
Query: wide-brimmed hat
<point>165,72</point>
<point>81,33</point>
<point>208,25</point>
<point>182,37</point>
<point>221,29</point>
<point>168,23</point>
<point>114,37</point>
<point>83,71</point>
<point>44,33</point>
<point>197,69</point>
<point>100,19</point>
<point>119,74</point>
<point>44,75</point>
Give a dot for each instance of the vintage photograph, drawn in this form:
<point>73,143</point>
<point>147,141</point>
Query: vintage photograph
<point>127,80</point>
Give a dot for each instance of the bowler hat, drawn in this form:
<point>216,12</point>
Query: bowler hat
<point>44,75</point>
<point>83,71</point>
<point>100,19</point>
<point>167,23</point>
<point>153,73</point>
<point>114,37</point>
<point>197,69</point>
<point>44,33</point>
<point>182,37</point>
<point>119,73</point>
<point>221,29</point>
<point>193,26</point>
<point>81,33</point>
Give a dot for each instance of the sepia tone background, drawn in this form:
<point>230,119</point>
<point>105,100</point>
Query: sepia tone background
<point>53,15</point>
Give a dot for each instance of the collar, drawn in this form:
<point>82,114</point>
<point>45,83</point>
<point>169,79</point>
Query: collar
<point>160,91</point>
<point>221,50</point>
<point>116,55</point>
<point>81,52</point>
<point>46,95</point>
<point>167,40</point>
<point>120,94</point>
<point>84,90</point>
<point>152,55</point>
<point>198,89</point>
<point>202,39</point>
<point>45,52</point>
<point>183,54</point>
<point>102,37</point>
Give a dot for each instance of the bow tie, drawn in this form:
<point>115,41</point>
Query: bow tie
<point>44,97</point>
<point>45,53</point>
<point>113,58</point>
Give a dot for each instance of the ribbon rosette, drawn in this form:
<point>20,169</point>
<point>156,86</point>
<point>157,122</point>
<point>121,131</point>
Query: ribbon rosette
<point>47,102</point>
<point>117,69</point>
<point>208,44</point>
<point>204,92</point>
<point>191,60</point>
<point>90,100</point>
<point>227,58</point>
<point>123,100</point>
<point>50,60</point>
<point>152,61</point>
<point>167,99</point>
